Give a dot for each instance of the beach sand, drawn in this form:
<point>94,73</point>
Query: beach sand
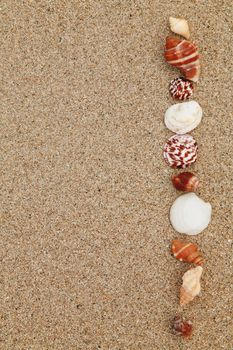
<point>85,238</point>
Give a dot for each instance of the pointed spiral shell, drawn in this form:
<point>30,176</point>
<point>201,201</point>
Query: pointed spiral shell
<point>184,55</point>
<point>191,286</point>
<point>187,252</point>
<point>185,296</point>
<point>179,26</point>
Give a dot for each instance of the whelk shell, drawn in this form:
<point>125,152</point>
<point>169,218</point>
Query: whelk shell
<point>187,252</point>
<point>184,55</point>
<point>179,26</point>
<point>191,286</point>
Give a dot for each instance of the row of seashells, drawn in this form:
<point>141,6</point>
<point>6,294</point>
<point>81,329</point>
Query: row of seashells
<point>189,214</point>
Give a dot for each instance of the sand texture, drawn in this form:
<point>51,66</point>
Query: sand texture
<point>85,193</point>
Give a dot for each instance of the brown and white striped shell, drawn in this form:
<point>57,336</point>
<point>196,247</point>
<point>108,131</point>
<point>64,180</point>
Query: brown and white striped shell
<point>180,151</point>
<point>187,252</point>
<point>184,55</point>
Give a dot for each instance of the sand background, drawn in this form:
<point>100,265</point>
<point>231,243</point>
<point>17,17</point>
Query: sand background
<point>85,238</point>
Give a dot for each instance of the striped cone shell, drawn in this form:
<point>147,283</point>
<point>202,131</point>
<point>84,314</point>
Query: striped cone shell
<point>187,252</point>
<point>184,55</point>
<point>180,151</point>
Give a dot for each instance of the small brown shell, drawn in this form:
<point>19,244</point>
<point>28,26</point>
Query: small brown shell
<point>187,252</point>
<point>182,327</point>
<point>186,182</point>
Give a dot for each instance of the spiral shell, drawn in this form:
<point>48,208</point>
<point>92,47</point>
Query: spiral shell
<point>191,286</point>
<point>187,252</point>
<point>181,88</point>
<point>186,182</point>
<point>180,151</point>
<point>179,26</point>
<point>184,55</point>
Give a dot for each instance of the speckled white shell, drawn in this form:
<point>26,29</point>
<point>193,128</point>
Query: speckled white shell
<point>183,117</point>
<point>189,214</point>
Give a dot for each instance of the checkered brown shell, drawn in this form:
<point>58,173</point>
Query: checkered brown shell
<point>181,88</point>
<point>180,151</point>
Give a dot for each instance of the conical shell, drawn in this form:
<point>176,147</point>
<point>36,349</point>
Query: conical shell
<point>191,285</point>
<point>185,297</point>
<point>179,26</point>
<point>187,252</point>
<point>184,55</point>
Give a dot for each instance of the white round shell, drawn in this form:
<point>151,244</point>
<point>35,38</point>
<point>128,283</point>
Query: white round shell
<point>183,117</point>
<point>189,214</point>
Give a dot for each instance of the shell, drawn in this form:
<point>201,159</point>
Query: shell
<point>191,286</point>
<point>182,327</point>
<point>187,252</point>
<point>180,151</point>
<point>179,26</point>
<point>183,117</point>
<point>181,88</point>
<point>185,181</point>
<point>190,214</point>
<point>184,55</point>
